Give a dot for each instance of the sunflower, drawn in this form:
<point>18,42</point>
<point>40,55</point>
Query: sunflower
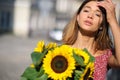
<point>51,45</point>
<point>67,49</point>
<point>88,72</point>
<point>83,54</point>
<point>59,64</point>
<point>40,46</point>
<point>32,66</point>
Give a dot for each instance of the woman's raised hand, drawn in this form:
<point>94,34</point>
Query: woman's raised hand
<point>110,9</point>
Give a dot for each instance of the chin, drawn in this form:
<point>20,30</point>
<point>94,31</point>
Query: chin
<point>88,31</point>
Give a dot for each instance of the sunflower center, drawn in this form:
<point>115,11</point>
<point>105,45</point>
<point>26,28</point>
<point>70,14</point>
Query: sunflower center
<point>59,64</point>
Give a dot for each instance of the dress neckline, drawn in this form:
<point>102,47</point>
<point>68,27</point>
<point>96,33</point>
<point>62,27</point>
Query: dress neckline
<point>103,53</point>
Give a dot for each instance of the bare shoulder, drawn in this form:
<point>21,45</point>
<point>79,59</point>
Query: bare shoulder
<point>113,62</point>
<point>100,52</point>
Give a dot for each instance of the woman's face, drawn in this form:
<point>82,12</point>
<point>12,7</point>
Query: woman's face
<point>90,17</point>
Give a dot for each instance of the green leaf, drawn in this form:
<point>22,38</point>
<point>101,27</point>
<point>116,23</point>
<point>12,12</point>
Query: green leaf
<point>41,72</point>
<point>78,59</point>
<point>43,77</point>
<point>37,57</point>
<point>92,59</point>
<point>23,78</point>
<point>30,73</point>
<point>68,78</point>
<point>82,68</point>
<point>77,74</point>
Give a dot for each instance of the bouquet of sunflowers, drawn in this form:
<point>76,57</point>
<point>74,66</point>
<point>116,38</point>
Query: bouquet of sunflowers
<point>59,62</point>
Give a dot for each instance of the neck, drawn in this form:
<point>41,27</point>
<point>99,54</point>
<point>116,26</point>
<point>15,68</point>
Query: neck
<point>84,41</point>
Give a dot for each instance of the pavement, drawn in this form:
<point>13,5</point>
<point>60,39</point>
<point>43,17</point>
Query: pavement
<point>15,55</point>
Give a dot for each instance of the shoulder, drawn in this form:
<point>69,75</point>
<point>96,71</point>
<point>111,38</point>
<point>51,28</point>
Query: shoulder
<point>112,61</point>
<point>106,53</point>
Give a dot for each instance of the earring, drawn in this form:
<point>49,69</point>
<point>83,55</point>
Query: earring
<point>101,28</point>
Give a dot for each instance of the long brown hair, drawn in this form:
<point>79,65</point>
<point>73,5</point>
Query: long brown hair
<point>102,38</point>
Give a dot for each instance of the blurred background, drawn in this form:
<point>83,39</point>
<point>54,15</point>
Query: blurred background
<point>24,22</point>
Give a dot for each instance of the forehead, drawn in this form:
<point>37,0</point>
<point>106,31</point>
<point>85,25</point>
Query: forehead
<point>92,5</point>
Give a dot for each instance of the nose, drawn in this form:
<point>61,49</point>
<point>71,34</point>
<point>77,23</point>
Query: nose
<point>90,15</point>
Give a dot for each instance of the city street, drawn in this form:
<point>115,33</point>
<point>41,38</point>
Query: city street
<point>15,55</point>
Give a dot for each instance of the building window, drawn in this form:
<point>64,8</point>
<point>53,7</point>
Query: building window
<point>5,20</point>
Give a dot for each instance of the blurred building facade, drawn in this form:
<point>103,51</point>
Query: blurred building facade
<point>27,17</point>
<point>24,17</point>
<point>6,15</point>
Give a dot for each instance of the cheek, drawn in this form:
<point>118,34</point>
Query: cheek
<point>80,19</point>
<point>98,22</point>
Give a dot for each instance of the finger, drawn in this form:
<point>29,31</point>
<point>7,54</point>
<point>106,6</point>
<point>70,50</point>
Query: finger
<point>110,1</point>
<point>104,5</point>
<point>108,6</point>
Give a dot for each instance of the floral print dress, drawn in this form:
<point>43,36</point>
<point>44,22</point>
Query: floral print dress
<point>101,65</point>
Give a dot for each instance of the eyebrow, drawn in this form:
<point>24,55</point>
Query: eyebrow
<point>90,8</point>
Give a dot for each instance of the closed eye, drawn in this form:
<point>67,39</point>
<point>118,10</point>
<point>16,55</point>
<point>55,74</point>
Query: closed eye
<point>98,15</point>
<point>85,10</point>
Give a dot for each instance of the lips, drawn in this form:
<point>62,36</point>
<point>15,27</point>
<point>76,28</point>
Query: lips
<point>88,23</point>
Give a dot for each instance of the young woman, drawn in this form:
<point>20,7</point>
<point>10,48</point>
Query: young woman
<point>89,29</point>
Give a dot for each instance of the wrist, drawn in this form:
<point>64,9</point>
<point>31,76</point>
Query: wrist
<point>113,22</point>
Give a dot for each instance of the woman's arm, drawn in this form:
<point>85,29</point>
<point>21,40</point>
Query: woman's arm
<point>114,61</point>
